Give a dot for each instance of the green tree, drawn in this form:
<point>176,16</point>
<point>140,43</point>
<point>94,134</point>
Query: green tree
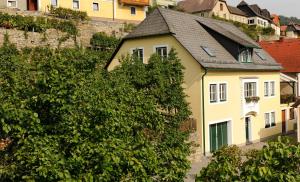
<point>69,119</point>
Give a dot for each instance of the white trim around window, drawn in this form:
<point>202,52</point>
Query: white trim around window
<point>142,48</point>
<point>78,4</point>
<point>219,93</point>
<point>269,89</point>
<point>57,5</point>
<point>246,80</point>
<point>98,6</point>
<point>12,6</point>
<point>159,46</point>
<point>270,119</point>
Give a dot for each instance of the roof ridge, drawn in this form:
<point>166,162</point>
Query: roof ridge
<point>164,18</point>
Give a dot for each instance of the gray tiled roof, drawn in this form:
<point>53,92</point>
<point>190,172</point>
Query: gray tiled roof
<point>190,32</point>
<point>194,6</point>
<point>236,11</point>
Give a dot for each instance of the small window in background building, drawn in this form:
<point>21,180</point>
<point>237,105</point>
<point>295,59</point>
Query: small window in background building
<point>221,7</point>
<point>208,51</point>
<point>75,4</point>
<point>54,3</point>
<point>272,88</point>
<point>133,10</point>
<point>162,51</point>
<point>96,6</point>
<point>12,4</point>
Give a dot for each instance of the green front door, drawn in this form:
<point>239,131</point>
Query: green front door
<point>218,136</point>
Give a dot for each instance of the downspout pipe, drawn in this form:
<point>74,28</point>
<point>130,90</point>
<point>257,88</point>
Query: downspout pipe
<point>203,111</point>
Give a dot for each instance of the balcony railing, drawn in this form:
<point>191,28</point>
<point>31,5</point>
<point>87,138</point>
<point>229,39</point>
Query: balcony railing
<point>135,2</point>
<point>287,99</point>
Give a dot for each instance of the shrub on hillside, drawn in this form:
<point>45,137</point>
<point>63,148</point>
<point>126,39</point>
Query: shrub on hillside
<point>69,14</point>
<point>102,41</point>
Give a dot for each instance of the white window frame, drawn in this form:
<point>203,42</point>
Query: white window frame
<point>134,10</point>
<point>256,88</point>
<point>11,6</point>
<point>98,6</point>
<point>270,119</point>
<point>159,46</point>
<point>249,56</point>
<point>78,4</point>
<point>132,49</point>
<point>270,91</point>
<point>57,5</point>
<point>218,99</point>
<point>229,131</point>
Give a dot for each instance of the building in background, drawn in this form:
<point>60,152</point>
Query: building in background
<point>131,10</point>
<point>243,13</point>
<point>286,52</point>
<point>164,3</point>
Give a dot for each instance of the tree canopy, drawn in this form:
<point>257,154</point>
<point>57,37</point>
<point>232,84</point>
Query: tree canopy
<point>69,119</point>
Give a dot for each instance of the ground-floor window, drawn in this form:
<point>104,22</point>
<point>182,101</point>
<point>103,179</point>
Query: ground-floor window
<point>218,135</point>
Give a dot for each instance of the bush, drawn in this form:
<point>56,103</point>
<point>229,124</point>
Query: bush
<point>101,41</point>
<point>38,24</point>
<point>68,14</point>
<point>70,120</point>
<point>277,161</point>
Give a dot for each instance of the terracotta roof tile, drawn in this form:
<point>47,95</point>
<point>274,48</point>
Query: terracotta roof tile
<point>286,52</point>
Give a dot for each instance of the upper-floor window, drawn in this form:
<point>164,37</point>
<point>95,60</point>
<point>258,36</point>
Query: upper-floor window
<point>269,88</point>
<point>269,119</point>
<point>132,10</point>
<point>138,53</point>
<point>162,51</point>
<point>250,89</point>
<point>12,3</point>
<point>75,4</point>
<point>95,6</point>
<point>221,7</point>
<point>54,3</point>
<point>218,92</point>
<point>251,21</point>
<point>245,56</point>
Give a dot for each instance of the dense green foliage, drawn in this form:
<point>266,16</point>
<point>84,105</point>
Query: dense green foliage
<point>287,20</point>
<point>36,24</point>
<point>278,161</point>
<point>251,30</point>
<point>69,14</point>
<point>69,119</point>
<point>103,42</point>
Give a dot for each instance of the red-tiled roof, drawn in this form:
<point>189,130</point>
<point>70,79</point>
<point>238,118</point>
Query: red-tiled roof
<point>276,19</point>
<point>283,28</point>
<point>286,52</point>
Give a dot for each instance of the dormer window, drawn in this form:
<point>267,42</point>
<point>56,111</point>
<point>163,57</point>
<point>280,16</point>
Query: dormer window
<point>245,56</point>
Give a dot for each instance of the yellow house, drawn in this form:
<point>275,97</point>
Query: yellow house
<point>132,10</point>
<point>233,86</point>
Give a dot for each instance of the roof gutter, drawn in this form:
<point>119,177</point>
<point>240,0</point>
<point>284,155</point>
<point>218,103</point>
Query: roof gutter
<point>203,110</point>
